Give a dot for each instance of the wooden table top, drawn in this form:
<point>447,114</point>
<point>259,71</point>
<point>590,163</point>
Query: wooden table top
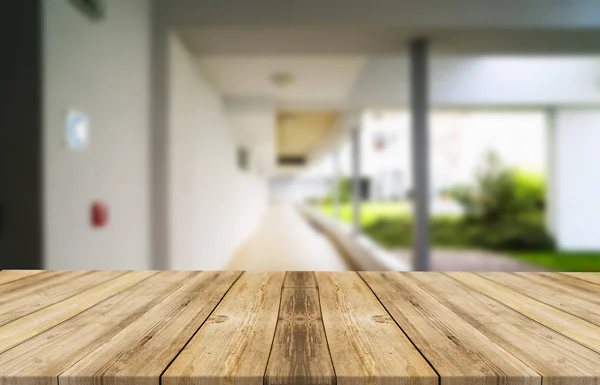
<point>189,327</point>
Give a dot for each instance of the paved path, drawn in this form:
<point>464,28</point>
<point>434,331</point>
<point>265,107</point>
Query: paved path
<point>471,260</point>
<point>285,241</point>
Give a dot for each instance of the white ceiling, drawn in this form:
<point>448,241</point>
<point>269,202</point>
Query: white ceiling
<point>336,40</point>
<point>320,81</point>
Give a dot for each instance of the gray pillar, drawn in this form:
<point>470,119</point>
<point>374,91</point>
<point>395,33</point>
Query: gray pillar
<point>356,199</point>
<point>419,106</point>
<point>336,185</point>
<point>551,166</point>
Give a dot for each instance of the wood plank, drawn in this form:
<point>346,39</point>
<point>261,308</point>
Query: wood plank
<point>575,328</point>
<point>275,328</point>
<point>23,287</point>
<point>589,277</point>
<point>568,299</point>
<point>460,354</point>
<point>300,279</point>
<point>566,284</point>
<point>140,352</point>
<point>41,359</point>
<point>557,358</point>
<point>233,345</point>
<point>34,323</point>
<point>13,275</point>
<point>367,347</point>
<point>300,354</point>
<point>52,292</point>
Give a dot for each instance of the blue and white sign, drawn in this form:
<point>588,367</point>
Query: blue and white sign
<point>77,130</point>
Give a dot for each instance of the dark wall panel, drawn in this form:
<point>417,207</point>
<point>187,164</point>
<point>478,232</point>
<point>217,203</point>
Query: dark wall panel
<point>20,135</point>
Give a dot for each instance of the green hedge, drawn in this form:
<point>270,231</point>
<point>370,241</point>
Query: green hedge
<point>529,234</point>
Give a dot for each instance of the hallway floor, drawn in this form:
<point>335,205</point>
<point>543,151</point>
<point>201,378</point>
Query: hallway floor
<point>285,241</point>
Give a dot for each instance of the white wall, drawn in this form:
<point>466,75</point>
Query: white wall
<point>575,179</point>
<point>253,123</point>
<point>100,68</point>
<point>213,206</point>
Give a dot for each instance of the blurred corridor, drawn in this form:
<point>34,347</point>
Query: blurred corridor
<point>178,134</point>
<point>285,241</point>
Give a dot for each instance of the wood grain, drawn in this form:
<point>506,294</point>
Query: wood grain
<point>584,332</point>
<point>557,358</point>
<point>366,345</point>
<point>562,283</point>
<point>300,354</point>
<point>300,279</point>
<point>42,358</point>
<point>140,352</point>
<point>585,305</point>
<point>570,282</point>
<point>53,291</point>
<point>13,275</point>
<point>461,354</point>
<point>588,277</point>
<point>271,328</point>
<point>34,323</point>
<point>22,287</point>
<point>234,344</point>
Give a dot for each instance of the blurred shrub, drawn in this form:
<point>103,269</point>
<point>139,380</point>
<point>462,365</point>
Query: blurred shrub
<point>344,190</point>
<point>500,193</point>
<point>504,210</point>
<point>456,233</point>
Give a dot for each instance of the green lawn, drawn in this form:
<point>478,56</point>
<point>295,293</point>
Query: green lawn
<point>560,261</point>
<point>371,212</point>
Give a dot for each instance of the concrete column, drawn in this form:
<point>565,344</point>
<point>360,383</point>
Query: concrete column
<point>419,106</point>
<point>356,198</point>
<point>160,243</point>
<point>551,177</point>
<point>336,184</point>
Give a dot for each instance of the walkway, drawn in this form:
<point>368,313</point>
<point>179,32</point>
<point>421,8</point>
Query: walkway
<point>285,241</point>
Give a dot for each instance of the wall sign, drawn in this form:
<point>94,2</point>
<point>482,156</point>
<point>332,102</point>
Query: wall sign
<point>77,130</point>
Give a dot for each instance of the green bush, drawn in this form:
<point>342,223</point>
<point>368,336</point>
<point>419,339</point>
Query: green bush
<point>344,191</point>
<point>503,211</point>
<point>398,232</point>
<point>530,191</point>
<point>500,193</point>
<point>391,232</point>
<point>514,235</point>
<point>456,233</point>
